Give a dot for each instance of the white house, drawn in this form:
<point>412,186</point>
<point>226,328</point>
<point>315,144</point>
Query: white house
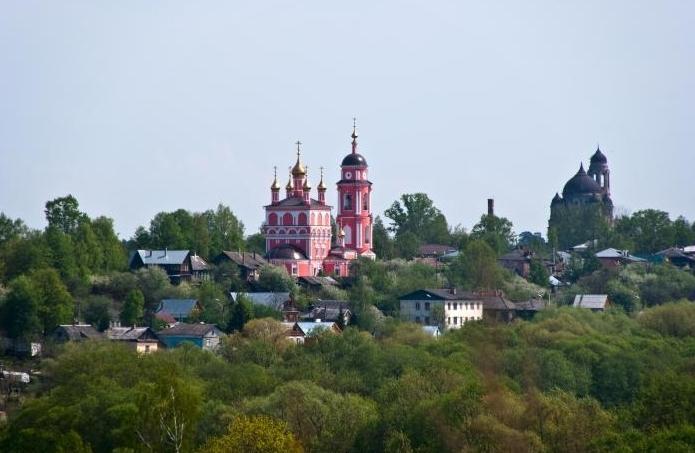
<point>457,308</point>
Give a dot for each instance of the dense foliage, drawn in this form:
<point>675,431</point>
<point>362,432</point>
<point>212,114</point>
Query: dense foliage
<point>569,380</point>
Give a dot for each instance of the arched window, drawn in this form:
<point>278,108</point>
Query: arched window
<point>287,219</point>
<point>348,234</point>
<point>347,202</point>
<point>302,218</point>
<point>273,219</point>
<point>365,202</point>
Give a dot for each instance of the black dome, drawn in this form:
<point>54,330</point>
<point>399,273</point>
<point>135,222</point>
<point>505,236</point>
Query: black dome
<point>599,157</point>
<point>354,159</point>
<point>581,184</point>
<point>286,252</point>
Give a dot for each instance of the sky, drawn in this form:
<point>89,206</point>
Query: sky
<point>140,107</point>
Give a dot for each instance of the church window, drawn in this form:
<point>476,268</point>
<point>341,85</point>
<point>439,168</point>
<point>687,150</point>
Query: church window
<point>302,219</point>
<point>365,202</point>
<point>287,219</point>
<point>347,202</point>
<point>273,219</point>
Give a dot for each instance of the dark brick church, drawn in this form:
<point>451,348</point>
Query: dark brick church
<point>584,206</point>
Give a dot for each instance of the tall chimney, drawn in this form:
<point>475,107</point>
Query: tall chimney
<point>490,207</point>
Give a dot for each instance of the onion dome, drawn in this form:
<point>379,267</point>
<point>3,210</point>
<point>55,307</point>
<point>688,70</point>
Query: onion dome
<point>354,158</point>
<point>599,157</point>
<point>322,185</point>
<point>289,185</point>
<point>298,169</point>
<point>286,252</point>
<point>276,185</point>
<point>581,184</point>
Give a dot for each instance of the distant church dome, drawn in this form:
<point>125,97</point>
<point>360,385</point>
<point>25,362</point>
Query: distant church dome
<point>599,157</point>
<point>286,252</point>
<point>581,184</point>
<point>354,159</point>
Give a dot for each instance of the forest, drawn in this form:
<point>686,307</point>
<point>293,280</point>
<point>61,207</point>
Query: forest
<point>565,380</point>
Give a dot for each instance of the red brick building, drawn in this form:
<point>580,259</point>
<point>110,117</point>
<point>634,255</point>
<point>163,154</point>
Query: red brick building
<point>297,228</point>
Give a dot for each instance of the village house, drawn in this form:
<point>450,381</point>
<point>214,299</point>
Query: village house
<point>249,263</point>
<point>75,332</point>
<point>455,307</point>
<point>676,256</point>
<point>267,299</point>
<point>142,339</point>
<point>593,302</point>
<point>204,336</point>
<point>303,332</point>
<point>337,311</point>
<point>179,265</point>
<point>316,283</point>
<point>611,258</point>
<point>179,309</point>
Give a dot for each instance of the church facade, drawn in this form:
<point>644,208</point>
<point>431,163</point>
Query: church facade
<point>297,228</point>
<point>585,204</point>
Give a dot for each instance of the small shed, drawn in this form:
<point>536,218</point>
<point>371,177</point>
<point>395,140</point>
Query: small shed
<point>593,302</point>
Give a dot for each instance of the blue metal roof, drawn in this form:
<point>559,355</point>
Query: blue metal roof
<point>163,257</point>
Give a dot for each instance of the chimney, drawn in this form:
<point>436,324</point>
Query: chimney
<point>452,290</point>
<point>491,207</point>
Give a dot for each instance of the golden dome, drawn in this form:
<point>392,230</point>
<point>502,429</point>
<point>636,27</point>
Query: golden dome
<point>276,184</point>
<point>322,185</point>
<point>289,185</point>
<point>298,169</point>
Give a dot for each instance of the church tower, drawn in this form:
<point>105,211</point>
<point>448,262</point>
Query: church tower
<point>354,202</point>
<point>598,170</point>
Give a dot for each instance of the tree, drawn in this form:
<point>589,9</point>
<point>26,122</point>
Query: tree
<point>382,242</point>
<point>476,268</point>
<point>115,257</point>
<point>97,312</point>
<point>64,214</point>
<point>538,274</point>
<point>242,312</point>
<point>256,434</point>
<point>275,279</point>
<point>496,231</point>
<point>55,304</point>
<point>227,232</point>
<point>20,311</point>
<point>132,311</point>
<point>11,229</point>
<point>416,214</point>
<point>255,243</point>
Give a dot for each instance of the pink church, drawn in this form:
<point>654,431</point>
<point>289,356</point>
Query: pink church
<point>297,228</point>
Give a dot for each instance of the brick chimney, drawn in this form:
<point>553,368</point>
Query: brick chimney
<point>491,207</point>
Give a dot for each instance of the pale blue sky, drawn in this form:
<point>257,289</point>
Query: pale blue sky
<point>138,107</point>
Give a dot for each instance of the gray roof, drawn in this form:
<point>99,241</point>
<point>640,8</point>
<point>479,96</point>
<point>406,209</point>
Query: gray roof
<point>248,260</point>
<point>198,263</point>
<point>318,281</point>
<point>327,310</point>
<point>162,257</point>
<point>432,330</point>
<point>190,330</point>
<point>178,308</point>
<point>591,301</point>
<point>272,300</point>
<point>491,300</point>
<point>310,328</point>
<point>130,333</point>
<point>611,253</point>
<point>76,332</point>
<point>435,249</point>
<point>530,305</point>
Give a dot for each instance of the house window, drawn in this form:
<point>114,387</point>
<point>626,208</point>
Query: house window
<point>456,320</point>
<point>427,306</point>
<point>456,306</point>
<point>466,318</point>
<point>448,306</point>
<point>427,320</point>
<point>448,321</point>
<point>417,319</point>
<point>417,305</point>
<point>478,306</point>
<point>147,348</point>
<point>294,269</point>
<point>465,306</point>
